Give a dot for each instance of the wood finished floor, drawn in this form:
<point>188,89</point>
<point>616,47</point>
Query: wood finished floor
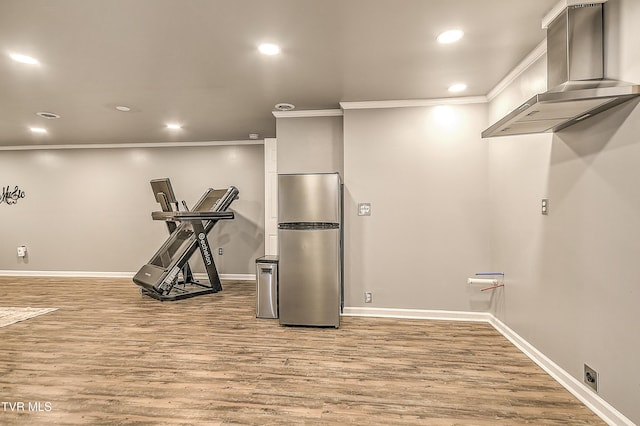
<point>112,356</point>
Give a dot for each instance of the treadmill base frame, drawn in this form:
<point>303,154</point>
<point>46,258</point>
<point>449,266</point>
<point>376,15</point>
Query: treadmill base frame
<point>179,295</point>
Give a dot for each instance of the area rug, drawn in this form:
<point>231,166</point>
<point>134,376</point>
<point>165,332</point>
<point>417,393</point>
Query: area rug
<point>10,316</point>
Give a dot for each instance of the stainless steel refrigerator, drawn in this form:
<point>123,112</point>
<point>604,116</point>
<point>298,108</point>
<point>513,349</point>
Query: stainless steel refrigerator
<point>310,249</point>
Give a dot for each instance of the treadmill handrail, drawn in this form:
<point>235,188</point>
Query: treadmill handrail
<point>181,216</point>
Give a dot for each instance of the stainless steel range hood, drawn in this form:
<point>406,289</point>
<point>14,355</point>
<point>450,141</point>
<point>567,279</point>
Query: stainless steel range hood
<point>575,70</point>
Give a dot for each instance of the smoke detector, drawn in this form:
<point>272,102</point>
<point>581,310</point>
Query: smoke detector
<point>47,115</point>
<point>285,106</point>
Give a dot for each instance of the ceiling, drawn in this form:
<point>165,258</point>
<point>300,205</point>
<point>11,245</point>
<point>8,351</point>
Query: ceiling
<point>195,62</point>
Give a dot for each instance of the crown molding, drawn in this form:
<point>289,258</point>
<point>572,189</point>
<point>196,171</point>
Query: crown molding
<point>308,113</point>
<point>414,103</point>
<point>538,52</point>
<point>131,145</point>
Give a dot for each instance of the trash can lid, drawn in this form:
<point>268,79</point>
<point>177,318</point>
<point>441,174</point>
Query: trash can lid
<point>268,259</point>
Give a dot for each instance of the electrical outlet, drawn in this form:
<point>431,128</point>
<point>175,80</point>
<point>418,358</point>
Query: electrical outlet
<point>220,251</point>
<point>22,251</point>
<point>544,206</point>
<point>368,296</point>
<point>591,377</point>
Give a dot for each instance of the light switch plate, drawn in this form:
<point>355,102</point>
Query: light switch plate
<point>364,209</point>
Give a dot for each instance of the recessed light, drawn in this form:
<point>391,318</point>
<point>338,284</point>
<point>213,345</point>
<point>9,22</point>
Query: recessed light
<point>24,59</point>
<point>458,87</point>
<point>123,108</point>
<point>269,49</point>
<point>47,115</point>
<point>283,106</point>
<point>174,126</point>
<point>38,130</point>
<point>450,36</point>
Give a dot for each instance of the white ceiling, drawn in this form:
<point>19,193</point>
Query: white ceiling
<point>195,61</point>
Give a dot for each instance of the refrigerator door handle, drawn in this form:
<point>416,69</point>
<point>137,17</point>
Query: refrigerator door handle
<point>308,225</point>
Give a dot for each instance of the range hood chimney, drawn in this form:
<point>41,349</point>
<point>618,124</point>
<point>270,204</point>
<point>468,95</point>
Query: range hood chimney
<point>575,72</point>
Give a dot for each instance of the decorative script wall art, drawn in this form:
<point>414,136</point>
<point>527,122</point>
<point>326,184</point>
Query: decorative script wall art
<point>10,196</point>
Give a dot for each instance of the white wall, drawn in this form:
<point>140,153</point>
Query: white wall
<point>90,209</point>
<point>572,286</point>
<point>424,171</point>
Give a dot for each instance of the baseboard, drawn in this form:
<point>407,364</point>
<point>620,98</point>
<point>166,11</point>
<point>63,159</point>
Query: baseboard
<point>69,274</point>
<point>238,277</point>
<point>593,401</point>
<point>416,314</point>
<point>230,277</point>
<point>94,274</point>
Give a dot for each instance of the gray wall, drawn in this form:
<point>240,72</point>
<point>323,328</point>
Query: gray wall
<point>424,171</point>
<point>572,276</point>
<point>90,209</point>
<point>310,144</point>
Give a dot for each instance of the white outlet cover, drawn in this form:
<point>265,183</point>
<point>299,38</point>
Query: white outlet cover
<point>544,206</point>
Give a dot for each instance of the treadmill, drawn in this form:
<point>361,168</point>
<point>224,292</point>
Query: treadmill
<point>167,276</point>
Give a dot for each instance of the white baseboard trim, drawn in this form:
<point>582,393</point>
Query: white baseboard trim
<point>230,277</point>
<point>93,274</point>
<point>593,401</point>
<point>416,314</point>
<point>68,274</point>
<point>238,277</point>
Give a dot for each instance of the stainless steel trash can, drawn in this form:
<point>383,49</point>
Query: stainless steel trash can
<point>267,287</point>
